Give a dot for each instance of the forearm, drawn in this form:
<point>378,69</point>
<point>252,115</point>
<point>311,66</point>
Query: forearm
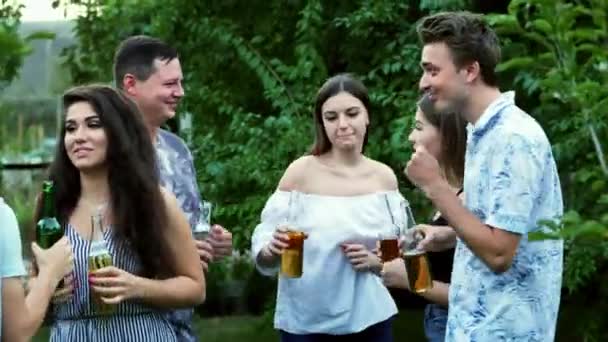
<point>438,294</point>
<point>178,292</point>
<point>473,232</point>
<point>37,301</point>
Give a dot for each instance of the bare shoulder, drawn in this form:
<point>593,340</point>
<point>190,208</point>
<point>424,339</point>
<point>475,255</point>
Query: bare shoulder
<point>385,175</point>
<point>295,174</point>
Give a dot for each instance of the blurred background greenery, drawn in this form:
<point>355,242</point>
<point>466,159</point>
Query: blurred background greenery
<point>251,71</point>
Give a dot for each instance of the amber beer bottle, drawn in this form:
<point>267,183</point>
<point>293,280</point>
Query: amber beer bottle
<point>48,229</point>
<point>99,257</point>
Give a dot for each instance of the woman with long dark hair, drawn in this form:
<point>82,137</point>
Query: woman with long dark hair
<point>444,135</point>
<point>105,164</point>
<point>343,201</point>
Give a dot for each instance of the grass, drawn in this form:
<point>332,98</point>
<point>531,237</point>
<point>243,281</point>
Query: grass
<point>407,327</point>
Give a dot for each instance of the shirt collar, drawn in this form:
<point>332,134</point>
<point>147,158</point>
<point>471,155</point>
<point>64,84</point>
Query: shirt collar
<point>505,99</point>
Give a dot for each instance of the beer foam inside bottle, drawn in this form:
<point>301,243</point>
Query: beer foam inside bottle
<point>99,257</point>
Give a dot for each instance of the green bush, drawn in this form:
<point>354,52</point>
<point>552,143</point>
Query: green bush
<point>252,69</point>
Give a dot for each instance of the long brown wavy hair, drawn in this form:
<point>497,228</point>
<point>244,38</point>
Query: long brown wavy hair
<point>138,208</point>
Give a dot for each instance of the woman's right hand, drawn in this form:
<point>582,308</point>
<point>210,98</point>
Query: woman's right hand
<point>276,246</point>
<point>55,262</point>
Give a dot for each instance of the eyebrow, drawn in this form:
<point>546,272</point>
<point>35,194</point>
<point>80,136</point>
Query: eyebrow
<point>347,109</point>
<point>86,119</point>
<point>425,65</point>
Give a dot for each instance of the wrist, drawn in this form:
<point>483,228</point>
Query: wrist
<point>267,255</point>
<point>139,285</point>
<point>436,189</point>
<point>43,278</point>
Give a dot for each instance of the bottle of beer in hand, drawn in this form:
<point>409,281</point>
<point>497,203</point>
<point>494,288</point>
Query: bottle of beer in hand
<point>99,257</point>
<point>48,229</point>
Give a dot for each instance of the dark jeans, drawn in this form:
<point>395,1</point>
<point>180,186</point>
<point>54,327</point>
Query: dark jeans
<point>435,321</point>
<point>379,332</point>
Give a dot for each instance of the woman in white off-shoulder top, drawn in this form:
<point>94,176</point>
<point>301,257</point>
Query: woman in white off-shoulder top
<point>342,200</point>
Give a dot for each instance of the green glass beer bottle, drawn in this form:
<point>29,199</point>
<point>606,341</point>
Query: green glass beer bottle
<point>48,229</point>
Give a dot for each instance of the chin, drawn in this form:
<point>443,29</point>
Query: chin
<point>346,147</point>
<point>87,166</point>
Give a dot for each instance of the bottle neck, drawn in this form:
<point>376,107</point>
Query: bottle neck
<point>96,227</point>
<point>48,204</point>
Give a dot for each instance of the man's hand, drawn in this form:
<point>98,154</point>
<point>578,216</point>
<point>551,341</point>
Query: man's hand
<point>220,240</point>
<point>436,238</point>
<point>423,169</point>
<point>205,252</point>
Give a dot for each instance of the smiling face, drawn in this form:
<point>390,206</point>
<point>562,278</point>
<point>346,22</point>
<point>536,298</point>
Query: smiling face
<point>446,85</point>
<point>85,139</point>
<point>158,96</point>
<point>345,120</point>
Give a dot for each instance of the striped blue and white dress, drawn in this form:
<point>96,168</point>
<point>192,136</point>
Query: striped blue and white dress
<point>131,321</point>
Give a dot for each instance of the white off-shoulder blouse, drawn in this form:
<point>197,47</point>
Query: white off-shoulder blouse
<point>330,297</point>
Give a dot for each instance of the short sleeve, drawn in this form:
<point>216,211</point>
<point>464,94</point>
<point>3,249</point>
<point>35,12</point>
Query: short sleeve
<point>11,260</point>
<point>273,214</point>
<point>515,175</point>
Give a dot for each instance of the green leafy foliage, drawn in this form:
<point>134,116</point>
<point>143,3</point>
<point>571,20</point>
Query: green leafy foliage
<point>557,53</point>
<point>252,70</point>
<point>13,47</point>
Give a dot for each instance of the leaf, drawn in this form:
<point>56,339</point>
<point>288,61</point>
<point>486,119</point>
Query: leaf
<point>514,63</point>
<point>542,25</point>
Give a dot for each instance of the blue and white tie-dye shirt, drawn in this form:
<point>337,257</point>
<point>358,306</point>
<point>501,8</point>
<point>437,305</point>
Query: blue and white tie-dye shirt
<point>510,183</point>
<point>177,175</point>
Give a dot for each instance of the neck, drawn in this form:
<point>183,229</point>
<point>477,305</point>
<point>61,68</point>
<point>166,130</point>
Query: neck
<point>483,96</point>
<point>349,158</point>
<point>153,130</point>
<point>95,190</point>
<point>151,126</point>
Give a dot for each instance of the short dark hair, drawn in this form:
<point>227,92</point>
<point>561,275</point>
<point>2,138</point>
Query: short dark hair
<point>331,87</point>
<point>137,205</point>
<point>453,132</point>
<point>469,38</point>
<point>136,55</point>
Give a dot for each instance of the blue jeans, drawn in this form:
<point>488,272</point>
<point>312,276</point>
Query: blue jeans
<point>379,332</point>
<point>435,322</point>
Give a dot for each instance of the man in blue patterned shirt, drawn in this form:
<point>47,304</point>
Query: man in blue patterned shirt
<point>149,72</point>
<point>504,287</point>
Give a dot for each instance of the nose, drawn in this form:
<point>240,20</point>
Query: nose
<point>77,136</point>
<point>412,137</point>
<point>424,83</point>
<point>342,121</point>
<point>179,91</point>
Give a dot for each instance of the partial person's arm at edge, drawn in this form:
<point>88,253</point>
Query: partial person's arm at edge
<point>23,315</point>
